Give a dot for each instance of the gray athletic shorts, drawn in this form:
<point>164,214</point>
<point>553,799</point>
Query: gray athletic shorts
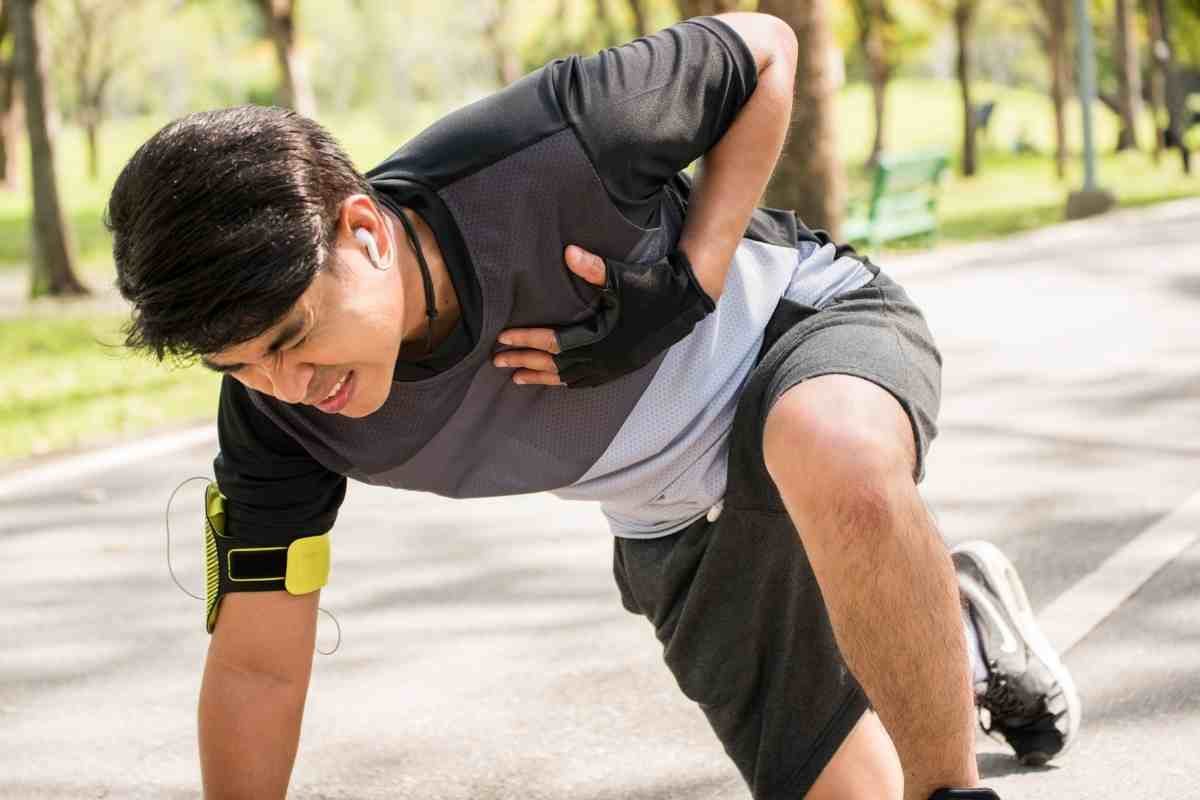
<point>734,602</point>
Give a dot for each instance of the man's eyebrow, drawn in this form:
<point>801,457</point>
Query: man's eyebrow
<point>288,333</point>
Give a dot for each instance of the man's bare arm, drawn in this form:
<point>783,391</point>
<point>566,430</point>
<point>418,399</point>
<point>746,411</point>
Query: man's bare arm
<point>252,696</point>
<point>735,171</point>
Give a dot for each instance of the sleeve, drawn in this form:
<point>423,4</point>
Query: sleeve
<point>275,491</point>
<point>647,109</point>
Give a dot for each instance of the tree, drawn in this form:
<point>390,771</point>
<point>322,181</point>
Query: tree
<point>506,58</point>
<point>1129,76</point>
<point>704,8</point>
<point>10,107</point>
<point>52,271</point>
<point>91,31</point>
<point>1051,27</point>
<point>809,177</point>
<point>296,91</point>
<point>964,13</point>
<point>605,27</point>
<point>641,24</point>
<point>1175,96</point>
<point>875,23</point>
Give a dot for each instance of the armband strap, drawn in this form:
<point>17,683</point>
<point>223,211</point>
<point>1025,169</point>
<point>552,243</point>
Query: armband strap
<point>233,565</point>
<point>964,794</point>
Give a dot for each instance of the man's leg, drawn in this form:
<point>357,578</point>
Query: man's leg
<point>841,452</point>
<point>744,631</point>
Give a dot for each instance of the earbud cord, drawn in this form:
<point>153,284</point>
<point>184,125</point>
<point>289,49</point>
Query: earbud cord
<point>426,280</point>
<point>170,569</point>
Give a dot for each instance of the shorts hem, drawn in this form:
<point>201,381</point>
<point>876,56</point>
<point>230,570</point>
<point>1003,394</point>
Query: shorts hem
<point>836,730</point>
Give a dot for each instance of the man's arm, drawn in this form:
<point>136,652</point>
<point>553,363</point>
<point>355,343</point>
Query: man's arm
<point>252,696</point>
<point>717,89</point>
<point>733,174</point>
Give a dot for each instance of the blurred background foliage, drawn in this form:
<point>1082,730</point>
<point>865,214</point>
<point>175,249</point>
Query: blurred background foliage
<point>375,72</point>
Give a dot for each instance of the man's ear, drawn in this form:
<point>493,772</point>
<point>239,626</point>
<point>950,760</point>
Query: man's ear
<point>360,212</point>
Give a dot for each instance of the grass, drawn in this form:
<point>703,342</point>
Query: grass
<point>63,388</point>
<point>67,384</point>
<point>1012,192</point>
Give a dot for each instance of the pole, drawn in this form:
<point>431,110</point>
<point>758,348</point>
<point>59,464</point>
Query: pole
<point>1090,199</point>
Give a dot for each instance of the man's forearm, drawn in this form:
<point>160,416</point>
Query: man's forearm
<point>735,172</point>
<point>249,731</point>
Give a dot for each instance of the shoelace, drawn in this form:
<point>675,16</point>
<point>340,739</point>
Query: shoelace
<point>1002,700</point>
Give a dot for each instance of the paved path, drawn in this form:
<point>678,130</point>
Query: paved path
<point>485,655</point>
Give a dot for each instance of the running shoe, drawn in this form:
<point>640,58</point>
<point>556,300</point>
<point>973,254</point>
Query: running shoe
<point>1028,697</point>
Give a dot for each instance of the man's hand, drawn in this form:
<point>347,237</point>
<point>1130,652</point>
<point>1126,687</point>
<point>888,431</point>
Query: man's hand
<point>534,361</point>
<point>643,309</point>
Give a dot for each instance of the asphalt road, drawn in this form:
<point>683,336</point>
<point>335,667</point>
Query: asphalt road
<point>484,652</point>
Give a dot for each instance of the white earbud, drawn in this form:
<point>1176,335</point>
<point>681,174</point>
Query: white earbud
<point>368,241</point>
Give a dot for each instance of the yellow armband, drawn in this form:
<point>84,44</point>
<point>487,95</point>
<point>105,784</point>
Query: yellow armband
<point>232,565</point>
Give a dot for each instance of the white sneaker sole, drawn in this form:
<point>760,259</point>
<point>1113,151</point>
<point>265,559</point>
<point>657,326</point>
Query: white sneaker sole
<point>1003,579</point>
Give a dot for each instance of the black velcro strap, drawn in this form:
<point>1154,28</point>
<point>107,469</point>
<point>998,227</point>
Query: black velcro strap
<point>964,794</point>
<point>254,564</point>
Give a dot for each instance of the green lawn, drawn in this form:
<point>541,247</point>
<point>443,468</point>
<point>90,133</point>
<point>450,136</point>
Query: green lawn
<point>1012,192</point>
<point>66,383</point>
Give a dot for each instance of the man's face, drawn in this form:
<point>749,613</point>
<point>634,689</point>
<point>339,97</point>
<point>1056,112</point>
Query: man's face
<point>342,334</point>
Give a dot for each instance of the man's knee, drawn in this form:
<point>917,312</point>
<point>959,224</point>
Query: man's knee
<point>840,445</point>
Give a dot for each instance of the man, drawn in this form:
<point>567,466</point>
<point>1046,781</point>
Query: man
<point>750,403</point>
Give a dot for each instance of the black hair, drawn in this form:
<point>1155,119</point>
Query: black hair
<point>220,222</point>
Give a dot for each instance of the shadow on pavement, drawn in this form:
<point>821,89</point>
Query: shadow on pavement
<point>998,765</point>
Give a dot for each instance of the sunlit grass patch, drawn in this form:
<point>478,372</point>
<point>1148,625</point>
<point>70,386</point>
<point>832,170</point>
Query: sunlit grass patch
<point>68,383</point>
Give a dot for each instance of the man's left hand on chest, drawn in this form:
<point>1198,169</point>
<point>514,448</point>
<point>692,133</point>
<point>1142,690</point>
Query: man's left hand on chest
<point>642,310</point>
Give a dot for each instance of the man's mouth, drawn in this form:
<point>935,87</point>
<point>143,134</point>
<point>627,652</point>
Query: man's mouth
<point>339,394</point>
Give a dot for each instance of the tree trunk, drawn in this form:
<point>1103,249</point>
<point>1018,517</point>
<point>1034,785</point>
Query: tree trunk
<point>52,272</point>
<point>293,69</point>
<point>10,126</point>
<point>1158,93</point>
<point>706,8</point>
<point>1056,45</point>
<point>504,56</point>
<point>809,177</point>
<point>9,110</point>
<point>879,69</point>
<point>604,24</point>
<point>1129,77</point>
<point>1176,95</point>
<point>90,132</point>
<point>641,25</point>
<point>964,14</point>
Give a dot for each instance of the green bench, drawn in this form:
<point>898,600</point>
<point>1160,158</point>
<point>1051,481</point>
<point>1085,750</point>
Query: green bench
<point>903,200</point>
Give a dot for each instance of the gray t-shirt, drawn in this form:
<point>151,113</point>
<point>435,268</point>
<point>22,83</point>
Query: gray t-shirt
<point>584,151</point>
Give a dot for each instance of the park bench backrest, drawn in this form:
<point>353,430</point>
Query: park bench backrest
<point>905,184</point>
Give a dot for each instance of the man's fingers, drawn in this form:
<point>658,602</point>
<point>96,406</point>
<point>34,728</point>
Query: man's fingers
<point>588,266</point>
<point>528,376</point>
<point>528,359</point>
<point>534,338</point>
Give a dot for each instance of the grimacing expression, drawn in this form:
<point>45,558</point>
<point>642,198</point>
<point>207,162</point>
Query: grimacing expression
<point>336,348</point>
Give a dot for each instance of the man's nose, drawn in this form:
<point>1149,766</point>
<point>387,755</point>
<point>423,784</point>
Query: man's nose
<point>290,380</point>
